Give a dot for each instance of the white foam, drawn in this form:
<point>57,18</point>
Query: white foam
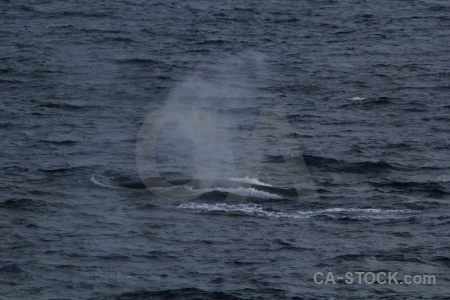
<point>365,210</point>
<point>102,181</point>
<point>444,178</point>
<point>249,192</point>
<point>253,209</point>
<point>358,98</point>
<point>250,180</point>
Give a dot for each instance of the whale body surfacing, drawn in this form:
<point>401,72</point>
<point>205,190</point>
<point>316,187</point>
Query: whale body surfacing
<point>198,184</point>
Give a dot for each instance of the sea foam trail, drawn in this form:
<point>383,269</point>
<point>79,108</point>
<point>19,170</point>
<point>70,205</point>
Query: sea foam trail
<point>103,182</point>
<point>253,209</point>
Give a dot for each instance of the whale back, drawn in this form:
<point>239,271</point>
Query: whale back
<point>158,182</point>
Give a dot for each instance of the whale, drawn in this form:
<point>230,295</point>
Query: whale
<point>199,184</point>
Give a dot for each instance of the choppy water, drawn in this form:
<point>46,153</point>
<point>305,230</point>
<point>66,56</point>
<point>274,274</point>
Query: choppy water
<point>365,87</point>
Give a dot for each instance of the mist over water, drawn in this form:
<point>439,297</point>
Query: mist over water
<point>197,126</point>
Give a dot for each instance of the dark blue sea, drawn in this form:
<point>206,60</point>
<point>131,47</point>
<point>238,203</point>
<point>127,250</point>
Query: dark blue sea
<point>350,97</point>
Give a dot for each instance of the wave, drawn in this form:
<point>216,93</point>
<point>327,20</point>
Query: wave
<point>28,204</point>
<point>184,293</point>
<point>59,143</point>
<point>289,20</point>
<point>12,269</point>
<point>341,166</point>
<point>212,42</point>
<point>59,170</point>
<point>81,14</point>
<point>120,39</point>
<point>6,125</point>
<point>138,61</point>
<point>69,107</point>
<point>433,189</point>
<point>249,192</point>
<point>408,185</point>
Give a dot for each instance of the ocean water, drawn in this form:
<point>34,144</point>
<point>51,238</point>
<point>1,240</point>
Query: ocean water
<point>363,86</point>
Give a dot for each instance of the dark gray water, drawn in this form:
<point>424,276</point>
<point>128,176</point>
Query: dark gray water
<point>365,88</point>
